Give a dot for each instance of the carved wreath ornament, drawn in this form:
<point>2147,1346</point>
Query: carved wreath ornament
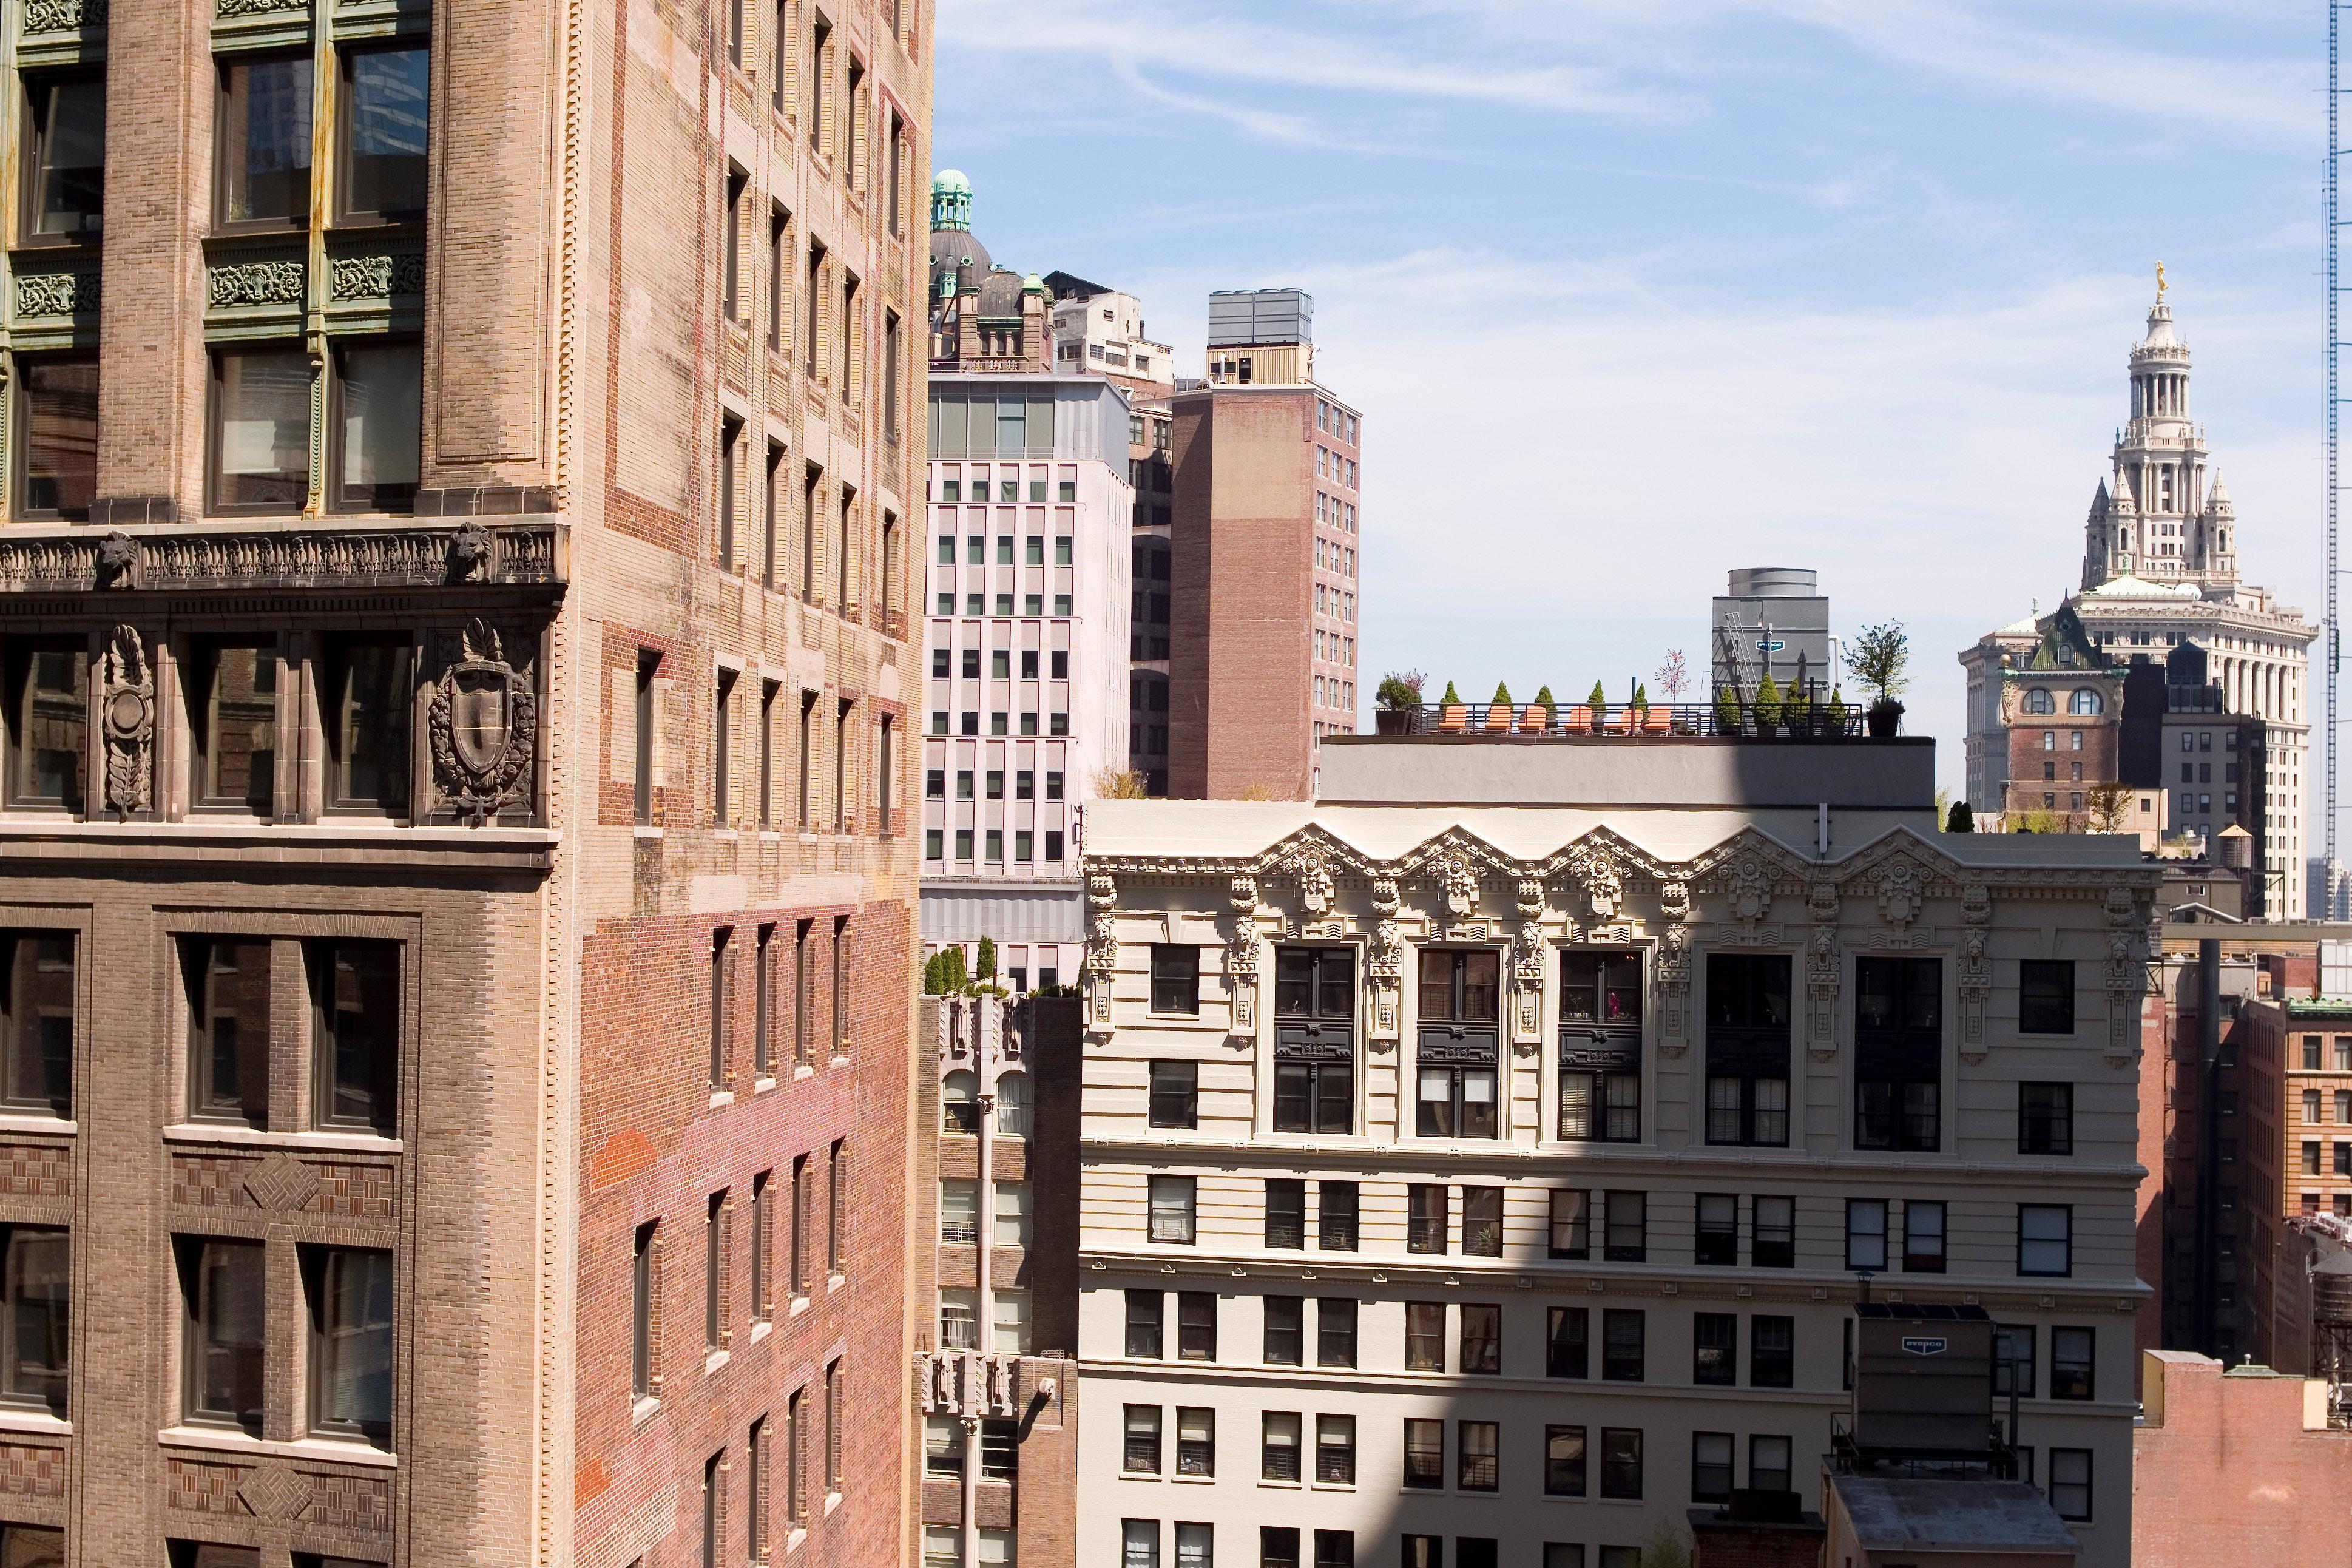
<point>483,726</point>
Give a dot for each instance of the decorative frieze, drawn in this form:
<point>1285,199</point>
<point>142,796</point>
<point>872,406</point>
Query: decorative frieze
<point>55,294</point>
<point>351,558</point>
<point>269,282</point>
<point>229,9</point>
<point>380,276</point>
<point>62,15</point>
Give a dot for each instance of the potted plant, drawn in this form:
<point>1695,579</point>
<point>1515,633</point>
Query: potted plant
<point>1598,700</point>
<point>1400,701</point>
<point>1768,706</point>
<point>1456,718</point>
<point>1797,712</point>
<point>1539,717</point>
<point>1879,655</point>
<point>1499,711</point>
<point>1727,710</point>
<point>1839,712</point>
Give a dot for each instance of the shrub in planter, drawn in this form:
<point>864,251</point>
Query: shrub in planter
<point>1838,713</point>
<point>1727,710</point>
<point>1550,709</point>
<point>1797,712</point>
<point>1768,706</point>
<point>1884,718</point>
<point>1399,691</point>
<point>1960,819</point>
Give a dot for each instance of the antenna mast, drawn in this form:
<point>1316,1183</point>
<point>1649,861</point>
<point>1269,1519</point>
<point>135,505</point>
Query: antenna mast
<point>2333,228</point>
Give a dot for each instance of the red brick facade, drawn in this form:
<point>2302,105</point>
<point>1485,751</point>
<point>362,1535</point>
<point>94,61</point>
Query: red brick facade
<point>2234,1468</point>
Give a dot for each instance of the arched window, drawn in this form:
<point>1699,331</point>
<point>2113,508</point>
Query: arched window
<point>959,1103</point>
<point>2084,700</point>
<point>1012,1105</point>
<point>2039,701</point>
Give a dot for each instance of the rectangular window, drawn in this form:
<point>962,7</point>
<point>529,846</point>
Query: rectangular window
<point>1715,1348</point>
<point>1482,1338</point>
<point>56,436</point>
<point>714,1271</point>
<point>731,452</point>
<point>1620,1463</point>
<point>2073,1354</point>
<point>225,1346</point>
<point>763,982</point>
<point>1711,1464</point>
<point>35,1320</point>
<point>1285,1331</point>
<point>1335,1549</point>
<point>1140,1455</point>
<point>1923,1237</point>
<point>1196,1441</point>
<point>1172,1209</point>
<point>63,171</point>
<point>2045,1119</point>
<point>1865,1235</point>
<point>640,1313</point>
<point>722,1007</point>
<point>759,1184</point>
<point>381,134</point>
<point>1563,1463</point>
<point>1775,1242</point>
<point>1568,1342</point>
<point>1898,1053</point>
<point>260,429</point>
<point>350,1341</point>
<point>1425,1218</point>
<point>1716,1242</point>
<point>48,724</point>
<point>779,272</point>
<point>1771,1351</point>
<point>1196,1325</point>
<point>1628,1228</point>
<point>261,175</point>
<point>1478,1445</point>
<point>1482,1222</point>
<point>833,1412</point>
<point>1175,978</point>
<point>1424,1336</point>
<point>1286,1212</point>
<point>1335,1331</point>
<point>233,723</point>
<point>2045,997</point>
<point>37,1021</point>
<point>1747,1050</point>
<point>370,718</point>
<point>730,250</point>
<point>2070,1483</point>
<point>2045,1239</point>
<point>1146,1311</point>
<point>1334,1224</point>
<point>642,762</point>
<point>1601,1047</point>
<point>228,1028</point>
<point>1175,1094</point>
<point>1622,1351</point>
<point>1335,1453</point>
<point>1314,1040</point>
<point>1769,1464</point>
<point>1278,1455</point>
<point>1571,1215</point>
<point>2012,1360</point>
<point>355,1034</point>
<point>836,1220</point>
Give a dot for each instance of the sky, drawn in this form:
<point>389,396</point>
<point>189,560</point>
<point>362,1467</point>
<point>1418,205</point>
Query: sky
<point>1631,292</point>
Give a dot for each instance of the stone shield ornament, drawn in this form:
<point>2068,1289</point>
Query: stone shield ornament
<point>128,718</point>
<point>483,727</point>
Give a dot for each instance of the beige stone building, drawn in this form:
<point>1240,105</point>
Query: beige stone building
<point>456,908</point>
<point>1478,1161</point>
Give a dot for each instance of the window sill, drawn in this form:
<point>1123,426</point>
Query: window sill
<point>720,1096</point>
<point>1284,1486</point>
<point>762,1329</point>
<point>712,1361</point>
<point>34,1421</point>
<point>645,830</point>
<point>800,1305</point>
<point>1193,1480</point>
<point>222,1440</point>
<point>259,1138</point>
<point>644,1410</point>
<point>32,1122</point>
<point>762,1085</point>
<point>1332,1486</point>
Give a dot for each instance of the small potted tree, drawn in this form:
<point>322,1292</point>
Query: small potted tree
<point>1839,712</point>
<point>1879,657</point>
<point>1499,711</point>
<point>1727,710</point>
<point>1537,719</point>
<point>1768,706</point>
<point>1398,697</point>
<point>1598,700</point>
<point>1797,712</point>
<point>1455,716</point>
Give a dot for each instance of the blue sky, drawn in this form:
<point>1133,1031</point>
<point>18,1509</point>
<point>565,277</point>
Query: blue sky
<point>1634,291</point>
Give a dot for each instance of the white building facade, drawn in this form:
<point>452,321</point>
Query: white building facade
<point>1501,1173</point>
<point>1027,656</point>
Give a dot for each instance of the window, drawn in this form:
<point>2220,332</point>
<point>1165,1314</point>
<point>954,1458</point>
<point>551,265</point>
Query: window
<point>1175,1094</point>
<point>37,1021</point>
<point>223,1358</point>
<point>1335,1331</point>
<point>35,1320</point>
<point>1196,1441</point>
<point>2070,1483</point>
<point>1627,1216</point>
<point>1285,1331</point>
<point>1196,1325</point>
<point>1772,1351</point>
<point>2045,1238</point>
<point>232,720</point>
<point>1146,1311</point>
<point>37,1546</point>
<point>2073,1354</point>
<point>836,1222</point>
<point>722,1007</point>
<point>1865,1235</point>
<point>1314,1039</point>
<point>1458,1072</point>
<point>1898,1048</point>
<point>714,1271</point>
<point>1478,1445</point>
<point>1923,1237</point>
<point>355,1033</point>
<point>1600,1047</point>
<point>370,717</point>
<point>1568,1342</point>
<point>1711,1463</point>
<point>958,1211</point>
<point>260,429</point>
<point>381,130</point>
<point>1286,1212</point>
<point>1715,1348</point>
<point>57,451</point>
<point>2045,997</point>
<point>1426,1219</point>
<point>1335,1226</point>
<point>640,1313</point>
<point>2045,1119</point>
<point>1748,1048</point>
<point>779,272</point>
<point>1718,1239</point>
<point>1775,1242</point>
<point>1571,1212</point>
<point>1278,1454</point>
<point>1335,1549</point>
<point>2012,1360</point>
<point>759,1184</point>
<point>642,765</point>
<point>350,1341</point>
<point>1335,1453</point>
<point>1621,1462</point>
<point>1172,1209</point>
<point>1195,1545</point>
<point>1424,1336</point>
<point>832,1425</point>
<point>1141,1454</point>
<point>2085,701</point>
<point>1175,978</point>
<point>1139,1543</point>
<point>65,158</point>
<point>1482,1222</point>
<point>262,128</point>
<point>228,1033</point>
<point>1424,1454</point>
<point>1768,1464</point>
<point>1622,1355</point>
<point>1012,1105</point>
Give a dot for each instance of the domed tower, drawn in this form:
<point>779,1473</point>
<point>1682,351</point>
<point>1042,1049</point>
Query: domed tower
<point>2155,518</point>
<point>958,261</point>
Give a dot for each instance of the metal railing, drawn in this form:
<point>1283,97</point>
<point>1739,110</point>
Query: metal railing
<point>1806,715</point>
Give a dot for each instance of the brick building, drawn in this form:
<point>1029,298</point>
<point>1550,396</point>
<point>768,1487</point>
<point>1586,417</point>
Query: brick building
<point>1474,1162</point>
<point>2236,1466</point>
<point>1263,559</point>
<point>459,923</point>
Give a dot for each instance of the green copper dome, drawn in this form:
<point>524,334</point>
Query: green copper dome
<point>950,200</point>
